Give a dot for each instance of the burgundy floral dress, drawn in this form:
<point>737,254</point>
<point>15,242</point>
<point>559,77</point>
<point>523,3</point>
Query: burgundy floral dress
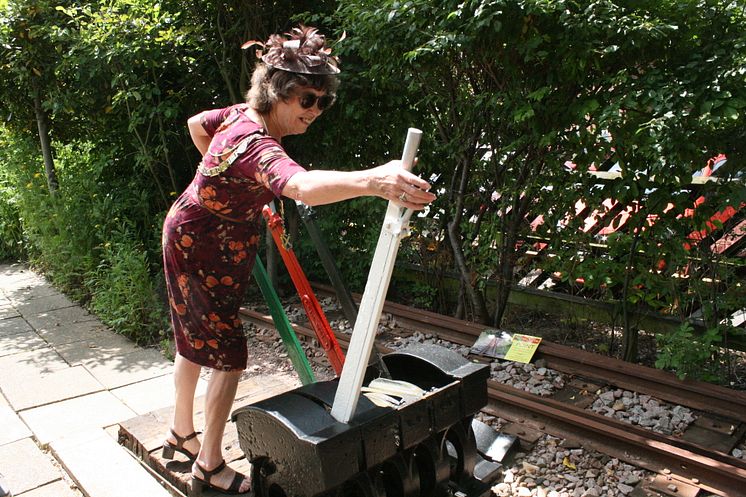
<point>211,234</point>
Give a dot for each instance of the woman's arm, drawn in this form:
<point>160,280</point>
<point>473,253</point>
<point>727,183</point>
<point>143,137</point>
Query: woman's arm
<point>199,136</point>
<point>389,181</point>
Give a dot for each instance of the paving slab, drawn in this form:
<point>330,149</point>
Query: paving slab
<point>96,344</point>
<point>13,325</point>
<point>19,367</point>
<point>26,467</point>
<point>124,369</point>
<point>12,268</point>
<point>59,488</point>
<point>59,317</point>
<point>13,429</point>
<point>103,468</point>
<point>8,311</point>
<point>53,387</point>
<point>16,271</point>
<point>53,421</point>
<point>150,395</point>
<point>24,294</point>
<point>21,281</point>
<point>43,305</point>
<point>73,332</point>
<point>20,342</point>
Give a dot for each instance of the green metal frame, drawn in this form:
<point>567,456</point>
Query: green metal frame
<point>282,323</point>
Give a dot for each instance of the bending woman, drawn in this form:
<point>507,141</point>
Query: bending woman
<point>211,233</point>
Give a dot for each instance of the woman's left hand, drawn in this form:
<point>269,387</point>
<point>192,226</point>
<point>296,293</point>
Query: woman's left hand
<point>395,183</point>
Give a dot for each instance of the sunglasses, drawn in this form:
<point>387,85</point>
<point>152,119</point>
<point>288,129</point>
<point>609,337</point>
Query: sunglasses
<point>308,100</point>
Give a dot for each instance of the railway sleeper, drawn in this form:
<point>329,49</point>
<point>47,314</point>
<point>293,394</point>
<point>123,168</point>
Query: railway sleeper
<point>422,448</point>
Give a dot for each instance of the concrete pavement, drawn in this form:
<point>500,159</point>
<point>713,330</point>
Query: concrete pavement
<point>66,381</point>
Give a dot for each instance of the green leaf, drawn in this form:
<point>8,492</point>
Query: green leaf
<point>730,113</point>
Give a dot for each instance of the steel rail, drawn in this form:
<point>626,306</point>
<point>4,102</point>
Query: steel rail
<point>684,461</point>
<point>689,463</point>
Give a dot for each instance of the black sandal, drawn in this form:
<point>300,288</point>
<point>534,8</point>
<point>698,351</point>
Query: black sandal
<point>199,484</point>
<point>169,448</point>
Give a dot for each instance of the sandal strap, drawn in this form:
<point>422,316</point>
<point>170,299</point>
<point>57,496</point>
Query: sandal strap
<point>181,440</point>
<point>208,474</point>
<point>238,479</point>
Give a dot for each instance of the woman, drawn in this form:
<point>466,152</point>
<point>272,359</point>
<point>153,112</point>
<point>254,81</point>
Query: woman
<point>211,233</point>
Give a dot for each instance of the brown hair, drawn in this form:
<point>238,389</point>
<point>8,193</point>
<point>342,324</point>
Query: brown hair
<point>270,85</point>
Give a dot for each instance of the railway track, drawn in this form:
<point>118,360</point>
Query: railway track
<point>685,465</point>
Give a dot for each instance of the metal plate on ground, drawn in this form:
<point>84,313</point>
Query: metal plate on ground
<point>487,471</point>
<point>493,444</point>
<point>574,396</point>
<point>668,485</point>
<point>710,439</point>
<point>720,425</point>
<point>643,490</point>
<point>585,385</point>
<point>523,432</point>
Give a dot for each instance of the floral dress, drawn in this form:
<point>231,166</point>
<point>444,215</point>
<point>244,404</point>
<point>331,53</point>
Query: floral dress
<point>211,234</point>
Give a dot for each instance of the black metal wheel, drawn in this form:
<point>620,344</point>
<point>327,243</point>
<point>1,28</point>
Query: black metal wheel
<point>362,485</point>
<point>432,466</point>
<point>399,476</point>
<point>460,447</point>
<point>264,480</point>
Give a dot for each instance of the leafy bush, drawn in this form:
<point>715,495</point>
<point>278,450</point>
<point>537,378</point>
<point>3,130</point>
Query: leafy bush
<point>691,355</point>
<point>95,239</point>
<point>123,292</point>
<point>11,231</point>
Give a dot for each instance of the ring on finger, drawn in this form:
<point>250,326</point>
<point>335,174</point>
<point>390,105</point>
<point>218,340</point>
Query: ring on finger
<point>403,197</point>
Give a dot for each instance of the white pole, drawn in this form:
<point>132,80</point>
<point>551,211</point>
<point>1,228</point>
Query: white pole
<point>395,227</point>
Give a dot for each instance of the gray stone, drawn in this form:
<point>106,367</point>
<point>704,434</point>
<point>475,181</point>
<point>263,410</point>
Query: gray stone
<point>607,397</point>
<point>631,479</point>
<point>592,492</point>
<point>625,489</point>
<point>502,489</point>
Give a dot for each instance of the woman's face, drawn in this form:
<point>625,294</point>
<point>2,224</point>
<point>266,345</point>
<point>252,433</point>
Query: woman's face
<point>290,117</point>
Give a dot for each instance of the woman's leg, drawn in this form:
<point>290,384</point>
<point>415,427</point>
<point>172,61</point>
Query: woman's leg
<point>186,376</point>
<point>221,391</point>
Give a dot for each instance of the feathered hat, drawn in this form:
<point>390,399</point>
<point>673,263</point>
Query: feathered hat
<point>302,50</point>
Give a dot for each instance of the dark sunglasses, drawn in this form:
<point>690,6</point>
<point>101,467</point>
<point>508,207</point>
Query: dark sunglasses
<point>308,100</point>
